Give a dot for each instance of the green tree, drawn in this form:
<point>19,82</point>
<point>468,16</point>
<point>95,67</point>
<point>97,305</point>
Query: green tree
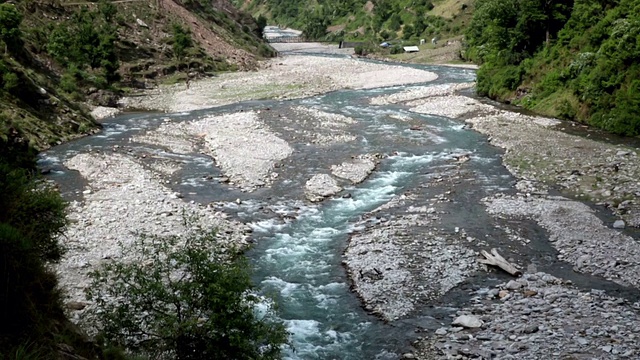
<point>261,21</point>
<point>87,41</point>
<point>10,19</point>
<point>316,24</point>
<point>395,21</point>
<point>183,297</point>
<point>181,41</point>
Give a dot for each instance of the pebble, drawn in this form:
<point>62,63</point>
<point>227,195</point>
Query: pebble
<point>619,224</point>
<point>468,321</point>
<point>144,205</point>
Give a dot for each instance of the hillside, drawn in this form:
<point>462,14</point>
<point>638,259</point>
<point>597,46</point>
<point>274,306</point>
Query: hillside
<point>61,56</point>
<point>374,21</point>
<point>577,60</point>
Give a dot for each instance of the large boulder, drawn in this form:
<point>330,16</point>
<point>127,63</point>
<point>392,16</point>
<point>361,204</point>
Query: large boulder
<point>321,186</point>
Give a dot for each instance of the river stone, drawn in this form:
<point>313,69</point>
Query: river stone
<point>355,170</point>
<point>468,321</point>
<point>619,224</point>
<point>320,186</point>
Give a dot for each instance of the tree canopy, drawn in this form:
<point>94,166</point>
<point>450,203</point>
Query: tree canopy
<point>10,19</point>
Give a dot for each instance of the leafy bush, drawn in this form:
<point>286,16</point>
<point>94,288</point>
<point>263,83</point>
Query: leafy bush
<point>9,81</point>
<point>181,41</point>
<point>10,19</point>
<point>87,41</point>
<point>587,51</point>
<point>35,210</point>
<point>31,218</point>
<point>183,298</point>
<point>396,49</point>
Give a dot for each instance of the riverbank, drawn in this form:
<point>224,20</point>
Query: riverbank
<point>128,192</point>
<point>288,77</point>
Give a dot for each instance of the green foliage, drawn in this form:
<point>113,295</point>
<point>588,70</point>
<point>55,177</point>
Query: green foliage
<point>9,80</point>
<point>181,41</point>
<point>87,40</point>
<point>261,21</point>
<point>495,81</point>
<point>382,21</point>
<point>587,51</point>
<point>31,217</point>
<point>315,24</point>
<point>183,298</point>
<point>10,19</point>
<point>108,11</point>
<point>34,210</point>
<point>394,22</point>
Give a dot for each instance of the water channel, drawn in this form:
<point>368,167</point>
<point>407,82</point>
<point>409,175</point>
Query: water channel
<point>298,246</point>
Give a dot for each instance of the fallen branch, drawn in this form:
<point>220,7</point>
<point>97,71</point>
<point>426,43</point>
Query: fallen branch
<point>496,260</point>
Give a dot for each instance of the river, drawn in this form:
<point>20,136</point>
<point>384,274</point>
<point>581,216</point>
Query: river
<point>298,252</point>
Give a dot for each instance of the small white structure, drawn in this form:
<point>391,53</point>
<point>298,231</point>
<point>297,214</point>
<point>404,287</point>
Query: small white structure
<point>411,49</point>
<point>422,41</point>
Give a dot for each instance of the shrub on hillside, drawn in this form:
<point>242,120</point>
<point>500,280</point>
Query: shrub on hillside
<point>10,19</point>
<point>31,218</point>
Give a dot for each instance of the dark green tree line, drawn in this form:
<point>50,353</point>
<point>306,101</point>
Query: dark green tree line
<point>577,60</point>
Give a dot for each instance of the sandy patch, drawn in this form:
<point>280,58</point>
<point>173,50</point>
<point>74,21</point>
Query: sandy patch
<point>281,78</point>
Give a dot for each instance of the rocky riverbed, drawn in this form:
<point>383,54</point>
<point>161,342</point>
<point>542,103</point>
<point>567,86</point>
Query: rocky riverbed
<point>409,253</point>
<point>541,314</point>
<point>534,316</point>
<point>127,192</point>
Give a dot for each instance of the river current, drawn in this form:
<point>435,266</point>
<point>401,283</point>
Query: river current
<point>297,257</point>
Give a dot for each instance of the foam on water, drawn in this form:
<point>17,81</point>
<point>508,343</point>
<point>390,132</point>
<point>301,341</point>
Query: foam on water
<point>267,226</point>
<point>458,127</point>
<point>45,159</point>
<point>194,182</point>
<point>302,266</point>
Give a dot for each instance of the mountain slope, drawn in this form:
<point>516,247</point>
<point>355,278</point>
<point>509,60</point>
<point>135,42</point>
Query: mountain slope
<point>373,20</point>
<point>59,56</point>
<point>576,60</point>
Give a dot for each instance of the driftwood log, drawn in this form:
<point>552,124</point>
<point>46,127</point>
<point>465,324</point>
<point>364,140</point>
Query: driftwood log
<point>496,259</point>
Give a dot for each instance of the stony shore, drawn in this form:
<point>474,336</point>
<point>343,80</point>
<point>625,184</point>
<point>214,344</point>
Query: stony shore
<point>531,317</point>
<point>123,198</point>
<point>288,77</point>
<point>537,316</point>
